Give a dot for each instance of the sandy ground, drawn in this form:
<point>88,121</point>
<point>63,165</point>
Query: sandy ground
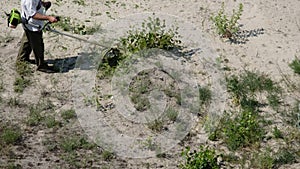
<point>270,53</point>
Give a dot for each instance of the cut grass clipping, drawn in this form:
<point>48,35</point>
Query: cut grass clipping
<point>154,34</point>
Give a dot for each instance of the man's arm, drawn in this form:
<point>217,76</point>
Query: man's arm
<point>39,16</point>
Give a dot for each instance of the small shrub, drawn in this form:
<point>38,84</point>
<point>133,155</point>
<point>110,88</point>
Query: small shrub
<point>226,26</point>
<point>205,158</point>
<point>10,135</point>
<point>68,114</point>
<point>295,65</point>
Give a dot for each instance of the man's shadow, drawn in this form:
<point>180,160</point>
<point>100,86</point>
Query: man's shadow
<point>63,65</point>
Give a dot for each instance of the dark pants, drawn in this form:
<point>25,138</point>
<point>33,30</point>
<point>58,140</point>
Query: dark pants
<point>32,41</point>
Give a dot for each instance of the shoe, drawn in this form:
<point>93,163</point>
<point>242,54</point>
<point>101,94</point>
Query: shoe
<point>46,69</point>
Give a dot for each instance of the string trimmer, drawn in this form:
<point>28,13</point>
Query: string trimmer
<point>47,27</point>
<point>109,53</point>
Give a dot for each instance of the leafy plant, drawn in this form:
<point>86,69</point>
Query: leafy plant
<point>205,158</point>
<point>242,130</point>
<point>227,26</point>
<point>295,65</point>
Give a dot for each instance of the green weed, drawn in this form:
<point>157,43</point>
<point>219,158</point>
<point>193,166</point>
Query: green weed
<point>23,69</point>
<point>245,87</point>
<point>73,143</point>
<point>79,2</point>
<point>107,155</point>
<point>277,133</point>
<point>263,160</point>
<point>66,24</point>
<point>243,130</point>
<point>171,114</point>
<point>295,65</point>
<point>50,121</point>
<point>156,125</point>
<point>203,159</point>
<point>10,135</point>
<point>35,117</point>
<point>285,156</point>
<point>205,95</point>
<point>13,102</point>
<point>227,26</point>
<point>68,114</point>
<point>20,84</point>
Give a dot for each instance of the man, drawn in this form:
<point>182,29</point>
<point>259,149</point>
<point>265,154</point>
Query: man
<point>33,17</point>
